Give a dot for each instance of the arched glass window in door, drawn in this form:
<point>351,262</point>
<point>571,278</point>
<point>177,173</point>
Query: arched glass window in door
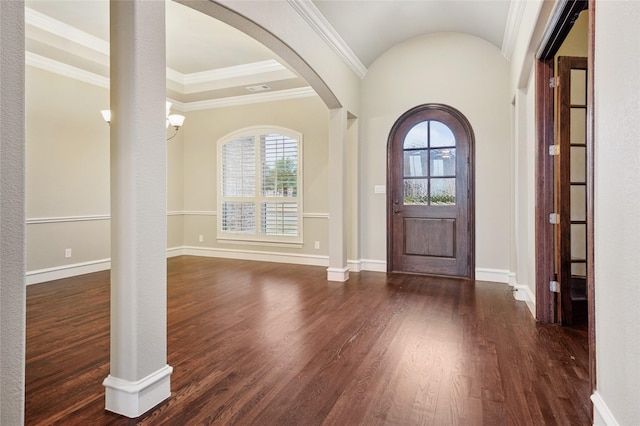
<point>429,177</point>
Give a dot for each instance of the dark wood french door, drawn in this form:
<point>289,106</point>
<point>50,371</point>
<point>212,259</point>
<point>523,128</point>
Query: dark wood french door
<point>430,214</point>
<point>571,190</point>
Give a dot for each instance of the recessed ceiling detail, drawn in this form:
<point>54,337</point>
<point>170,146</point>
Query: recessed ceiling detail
<point>258,88</point>
<point>208,62</point>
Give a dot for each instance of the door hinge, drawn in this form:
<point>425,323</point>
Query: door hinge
<point>554,149</point>
<point>554,82</point>
<point>554,286</point>
<point>554,218</point>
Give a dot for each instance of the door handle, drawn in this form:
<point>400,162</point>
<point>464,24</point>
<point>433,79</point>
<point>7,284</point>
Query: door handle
<point>396,211</point>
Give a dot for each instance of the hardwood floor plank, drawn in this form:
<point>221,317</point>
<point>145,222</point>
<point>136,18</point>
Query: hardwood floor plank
<point>255,343</point>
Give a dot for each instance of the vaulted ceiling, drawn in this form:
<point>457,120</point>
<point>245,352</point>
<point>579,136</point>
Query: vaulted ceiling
<point>210,63</point>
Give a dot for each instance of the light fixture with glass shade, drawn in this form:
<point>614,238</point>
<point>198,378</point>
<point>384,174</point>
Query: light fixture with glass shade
<point>173,120</point>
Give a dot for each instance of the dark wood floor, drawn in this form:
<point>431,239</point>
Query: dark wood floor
<point>270,344</point>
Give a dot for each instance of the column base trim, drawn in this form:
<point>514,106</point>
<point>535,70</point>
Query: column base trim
<point>601,413</point>
<point>132,399</point>
<point>338,274</point>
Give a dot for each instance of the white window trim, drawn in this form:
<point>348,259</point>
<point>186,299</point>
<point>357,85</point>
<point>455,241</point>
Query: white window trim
<point>257,238</point>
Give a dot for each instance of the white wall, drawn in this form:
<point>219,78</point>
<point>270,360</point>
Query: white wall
<point>617,209</point>
<point>470,75</point>
<point>12,228</point>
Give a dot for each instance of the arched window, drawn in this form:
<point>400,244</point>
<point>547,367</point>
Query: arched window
<point>260,185</point>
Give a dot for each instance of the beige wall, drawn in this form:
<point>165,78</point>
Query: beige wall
<point>468,74</point>
<point>308,116</point>
<point>617,208</point>
<point>67,176</point>
<point>576,42</point>
<point>67,147</point>
<point>67,170</point>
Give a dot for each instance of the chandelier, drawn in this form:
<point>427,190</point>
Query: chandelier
<point>173,120</point>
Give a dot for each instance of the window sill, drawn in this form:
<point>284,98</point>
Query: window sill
<point>291,244</point>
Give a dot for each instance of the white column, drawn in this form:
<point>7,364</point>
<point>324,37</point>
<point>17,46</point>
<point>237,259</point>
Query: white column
<point>338,269</point>
<point>12,213</point>
<point>140,377</point>
<point>352,193</point>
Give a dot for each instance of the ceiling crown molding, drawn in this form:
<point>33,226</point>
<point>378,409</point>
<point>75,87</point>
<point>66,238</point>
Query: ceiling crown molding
<point>280,95</point>
<point>60,29</point>
<point>65,70</point>
<point>233,72</point>
<point>53,26</point>
<point>323,28</point>
<point>225,73</point>
<point>188,81</point>
<point>514,19</point>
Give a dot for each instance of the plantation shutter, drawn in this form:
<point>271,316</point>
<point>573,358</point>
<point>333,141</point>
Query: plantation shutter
<point>260,178</point>
<point>238,182</point>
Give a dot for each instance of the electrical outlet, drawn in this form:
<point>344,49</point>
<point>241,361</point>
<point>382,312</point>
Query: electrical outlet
<point>316,245</point>
<point>67,253</point>
<point>200,238</point>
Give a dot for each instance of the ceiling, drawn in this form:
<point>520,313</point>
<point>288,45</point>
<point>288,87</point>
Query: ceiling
<point>211,64</point>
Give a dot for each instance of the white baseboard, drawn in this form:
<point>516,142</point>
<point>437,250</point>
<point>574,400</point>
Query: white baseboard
<point>66,271</point>
<point>132,399</point>
<point>373,265</point>
<point>354,265</point>
<point>523,293</point>
<point>338,274</point>
<point>493,275</point>
<point>174,251</point>
<point>226,253</point>
<point>602,416</point>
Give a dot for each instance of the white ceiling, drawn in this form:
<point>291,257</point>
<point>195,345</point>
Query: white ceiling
<point>370,28</point>
<point>209,62</point>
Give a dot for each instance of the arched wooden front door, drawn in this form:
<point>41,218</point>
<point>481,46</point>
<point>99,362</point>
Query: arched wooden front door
<point>430,201</point>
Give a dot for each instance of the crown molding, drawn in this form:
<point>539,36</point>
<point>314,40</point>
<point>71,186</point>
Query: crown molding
<point>53,26</point>
<point>68,32</point>
<point>279,95</point>
<point>514,19</point>
<point>175,76</point>
<point>323,28</point>
<point>233,72</point>
<point>65,70</point>
<point>176,105</point>
<point>227,73</point>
